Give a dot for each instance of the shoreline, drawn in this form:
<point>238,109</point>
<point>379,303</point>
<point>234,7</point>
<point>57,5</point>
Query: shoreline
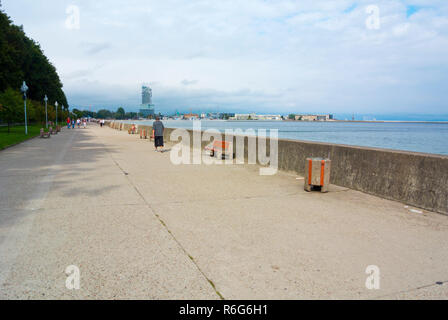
<point>302,121</point>
<point>394,148</point>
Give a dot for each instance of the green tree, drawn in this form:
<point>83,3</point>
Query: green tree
<point>78,113</point>
<point>22,59</point>
<point>120,114</point>
<point>11,107</point>
<point>33,113</point>
<point>88,113</point>
<point>292,116</point>
<point>131,115</point>
<point>104,114</point>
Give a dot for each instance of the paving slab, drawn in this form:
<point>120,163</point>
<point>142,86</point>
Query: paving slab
<point>77,208</point>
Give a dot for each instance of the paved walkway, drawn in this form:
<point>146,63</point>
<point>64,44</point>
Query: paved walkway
<point>140,227</point>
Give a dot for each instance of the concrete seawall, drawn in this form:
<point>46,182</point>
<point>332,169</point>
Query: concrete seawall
<point>417,179</point>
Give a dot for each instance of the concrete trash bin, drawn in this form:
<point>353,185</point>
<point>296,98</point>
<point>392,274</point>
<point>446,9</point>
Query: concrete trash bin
<point>317,174</point>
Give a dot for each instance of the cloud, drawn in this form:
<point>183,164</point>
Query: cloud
<point>186,82</point>
<point>94,48</point>
<point>254,55</point>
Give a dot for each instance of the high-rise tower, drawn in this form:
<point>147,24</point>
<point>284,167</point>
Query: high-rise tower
<point>146,95</point>
<point>147,108</point>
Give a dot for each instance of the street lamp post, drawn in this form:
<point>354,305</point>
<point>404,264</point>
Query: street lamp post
<point>46,113</point>
<point>24,89</point>
<point>56,104</point>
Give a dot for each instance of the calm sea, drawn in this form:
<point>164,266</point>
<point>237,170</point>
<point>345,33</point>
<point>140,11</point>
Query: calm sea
<point>420,137</point>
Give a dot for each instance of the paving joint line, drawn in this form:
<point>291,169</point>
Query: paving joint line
<point>211,283</point>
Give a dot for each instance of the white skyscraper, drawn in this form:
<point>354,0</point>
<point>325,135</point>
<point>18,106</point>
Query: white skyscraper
<point>147,108</point>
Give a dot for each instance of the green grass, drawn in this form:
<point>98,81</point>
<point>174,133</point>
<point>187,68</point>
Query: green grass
<point>17,134</point>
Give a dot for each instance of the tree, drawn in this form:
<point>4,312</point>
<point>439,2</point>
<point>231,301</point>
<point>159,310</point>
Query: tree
<point>77,113</point>
<point>36,111</point>
<point>32,111</point>
<point>88,113</point>
<point>22,59</point>
<point>292,116</point>
<point>104,114</point>
<point>11,107</point>
<point>131,115</point>
<point>120,114</point>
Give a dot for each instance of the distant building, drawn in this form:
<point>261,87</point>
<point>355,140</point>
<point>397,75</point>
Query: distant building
<point>313,117</point>
<point>254,116</point>
<point>244,116</point>
<point>146,112</point>
<point>146,95</point>
<point>147,107</point>
<point>214,115</point>
<point>191,116</point>
<point>275,117</point>
<point>226,116</point>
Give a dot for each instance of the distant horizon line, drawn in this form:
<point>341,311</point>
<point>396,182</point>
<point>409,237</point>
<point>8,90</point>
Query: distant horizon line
<point>341,116</point>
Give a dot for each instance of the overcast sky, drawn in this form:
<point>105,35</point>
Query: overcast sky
<point>247,55</point>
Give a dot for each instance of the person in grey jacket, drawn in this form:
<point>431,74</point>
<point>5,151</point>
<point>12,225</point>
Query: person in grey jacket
<point>157,132</point>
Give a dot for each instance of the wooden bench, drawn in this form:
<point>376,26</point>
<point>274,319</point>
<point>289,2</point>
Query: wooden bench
<point>220,149</point>
<point>132,130</point>
<point>43,134</point>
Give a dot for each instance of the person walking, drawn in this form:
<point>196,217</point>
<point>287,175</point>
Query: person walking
<point>78,122</point>
<point>68,122</point>
<point>73,123</point>
<point>84,123</point>
<point>157,132</point>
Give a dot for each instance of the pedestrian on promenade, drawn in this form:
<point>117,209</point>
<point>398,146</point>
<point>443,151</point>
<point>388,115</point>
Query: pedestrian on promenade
<point>73,123</point>
<point>78,122</point>
<point>157,132</point>
<point>84,123</point>
<point>68,122</point>
<point>101,123</point>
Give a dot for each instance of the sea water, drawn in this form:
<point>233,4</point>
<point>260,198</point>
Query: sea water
<point>427,137</point>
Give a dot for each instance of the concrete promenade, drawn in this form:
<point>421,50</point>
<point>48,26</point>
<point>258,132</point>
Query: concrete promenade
<point>138,226</point>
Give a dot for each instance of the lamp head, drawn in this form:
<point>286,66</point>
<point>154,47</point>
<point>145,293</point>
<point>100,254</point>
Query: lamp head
<point>24,88</point>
